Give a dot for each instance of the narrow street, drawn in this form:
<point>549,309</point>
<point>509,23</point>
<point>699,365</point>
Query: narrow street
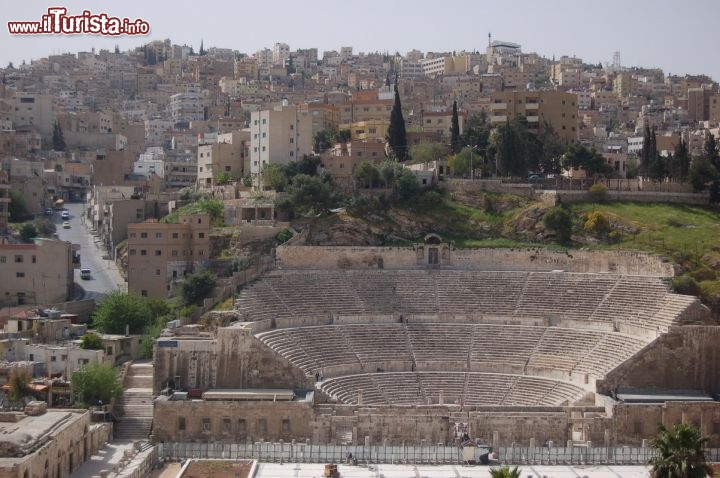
<point>105,276</point>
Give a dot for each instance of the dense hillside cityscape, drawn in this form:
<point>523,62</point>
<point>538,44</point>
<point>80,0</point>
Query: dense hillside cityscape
<point>473,256</point>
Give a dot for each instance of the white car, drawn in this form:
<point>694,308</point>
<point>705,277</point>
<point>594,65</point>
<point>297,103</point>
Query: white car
<point>65,215</point>
<point>85,274</point>
<point>66,225</point>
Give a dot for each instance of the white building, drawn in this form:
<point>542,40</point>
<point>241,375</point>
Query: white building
<point>279,135</point>
<point>281,52</point>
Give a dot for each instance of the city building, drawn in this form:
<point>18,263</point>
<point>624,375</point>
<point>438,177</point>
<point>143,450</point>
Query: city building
<point>37,273</point>
<point>558,109</point>
<point>278,135</point>
<point>161,253</point>
<point>222,160</point>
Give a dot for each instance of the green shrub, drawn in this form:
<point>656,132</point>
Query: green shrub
<point>685,284</point>
<point>284,235</point>
<point>597,223</point>
<point>703,274</point>
<point>559,221</point>
<point>91,341</point>
<point>598,192</point>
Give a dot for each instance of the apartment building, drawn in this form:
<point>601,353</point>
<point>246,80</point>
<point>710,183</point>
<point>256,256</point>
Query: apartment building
<point>341,160</point>
<point>556,108</point>
<point>4,201</point>
<point>37,273</point>
<point>440,122</point>
<point>34,110</point>
<point>279,135</point>
<point>280,53</point>
<point>160,253</point>
<point>225,157</point>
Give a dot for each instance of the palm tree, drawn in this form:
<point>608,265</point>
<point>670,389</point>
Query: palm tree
<point>505,472</point>
<point>680,453</point>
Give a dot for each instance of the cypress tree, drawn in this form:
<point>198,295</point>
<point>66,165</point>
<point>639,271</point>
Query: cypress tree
<point>455,129</point>
<point>396,134</point>
<point>58,138</point>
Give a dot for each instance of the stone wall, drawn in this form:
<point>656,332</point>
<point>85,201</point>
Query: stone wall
<point>568,197</point>
<point>686,357</point>
<point>232,421</point>
<point>632,423</point>
<point>399,258</point>
<point>235,359</point>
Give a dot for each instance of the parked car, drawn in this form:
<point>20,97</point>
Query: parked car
<point>66,225</point>
<point>65,215</point>
<point>49,211</point>
<point>85,274</point>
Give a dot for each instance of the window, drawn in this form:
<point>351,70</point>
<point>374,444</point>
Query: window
<point>262,425</point>
<point>206,424</point>
<point>109,350</point>
<point>158,252</point>
<point>227,169</point>
<point>132,234</point>
<point>158,235</point>
<point>19,258</point>
<point>174,253</point>
<point>157,272</point>
<point>19,274</point>
<point>143,235</point>
<point>638,427</point>
<point>31,357</point>
<point>181,424</point>
<point>174,235</point>
<point>143,252</point>
<point>286,425</point>
<point>143,293</point>
<point>226,426</point>
<point>53,359</point>
<point>201,235</point>
<point>715,427</point>
<point>242,426</point>
<point>132,252</point>
<point>34,259</point>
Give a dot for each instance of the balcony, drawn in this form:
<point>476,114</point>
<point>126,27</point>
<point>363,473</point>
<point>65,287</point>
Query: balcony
<point>494,119</point>
<point>531,106</point>
<point>498,106</point>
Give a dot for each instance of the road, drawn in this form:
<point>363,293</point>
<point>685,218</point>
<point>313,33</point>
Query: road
<point>93,255</point>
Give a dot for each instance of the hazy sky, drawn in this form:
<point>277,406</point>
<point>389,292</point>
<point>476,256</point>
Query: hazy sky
<point>679,37</point>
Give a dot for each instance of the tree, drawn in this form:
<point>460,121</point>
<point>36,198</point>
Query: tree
<point>273,177</point>
<point>366,174</point>
<point>510,154</point>
<point>551,150</point>
<point>19,385</point>
<point>202,49</point>
<point>461,163</point>
<point>310,193</point>
<point>389,170</point>
<point>58,139</point>
<point>212,207</point>
<point>702,173</point>
<point>28,232</point>
<point>17,208</point>
<point>680,453</point>
<point>96,382</point>
<point>455,129</point>
<point>647,153</point>
<point>197,287</point>
<point>117,310</point>
<point>579,156</point>
<point>425,151</point>
<point>679,162</point>
<point>559,221</point>
<point>45,227</point>
<point>408,185</point>
<point>710,151</point>
<point>396,134</point>
<point>91,341</point>
<point>505,472</point>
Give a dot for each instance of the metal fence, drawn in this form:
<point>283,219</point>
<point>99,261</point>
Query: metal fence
<point>411,454</point>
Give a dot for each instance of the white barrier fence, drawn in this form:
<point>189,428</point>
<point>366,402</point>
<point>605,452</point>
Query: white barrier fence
<point>410,454</point>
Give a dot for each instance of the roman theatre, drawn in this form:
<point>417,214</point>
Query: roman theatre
<point>411,344</point>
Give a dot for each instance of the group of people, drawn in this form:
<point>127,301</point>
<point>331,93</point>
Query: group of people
<point>319,376</point>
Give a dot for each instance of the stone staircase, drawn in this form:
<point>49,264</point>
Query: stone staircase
<point>135,407</point>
